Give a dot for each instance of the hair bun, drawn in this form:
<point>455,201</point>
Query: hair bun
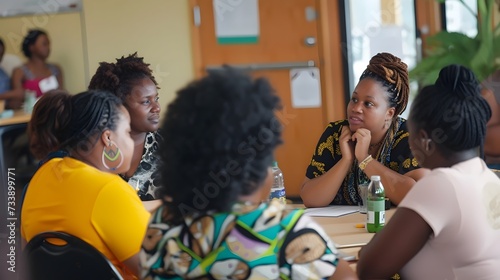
<point>392,70</point>
<point>459,81</point>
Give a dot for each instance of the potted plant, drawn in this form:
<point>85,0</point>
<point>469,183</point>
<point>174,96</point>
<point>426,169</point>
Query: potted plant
<point>481,53</point>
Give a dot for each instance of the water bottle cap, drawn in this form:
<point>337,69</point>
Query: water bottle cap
<point>275,164</point>
<point>375,178</point>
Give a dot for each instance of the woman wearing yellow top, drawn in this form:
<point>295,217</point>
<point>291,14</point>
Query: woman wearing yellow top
<point>81,194</point>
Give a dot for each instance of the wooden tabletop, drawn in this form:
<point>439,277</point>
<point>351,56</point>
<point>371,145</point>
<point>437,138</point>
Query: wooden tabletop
<point>19,117</point>
<point>345,232</point>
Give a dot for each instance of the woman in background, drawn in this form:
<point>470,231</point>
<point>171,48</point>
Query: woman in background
<point>448,225</point>
<point>213,224</point>
<point>373,140</point>
<point>491,143</point>
<point>36,74</point>
<point>78,193</point>
<point>4,78</point>
<point>131,79</point>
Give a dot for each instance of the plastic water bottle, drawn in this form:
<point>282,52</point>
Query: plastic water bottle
<point>29,101</point>
<point>278,188</point>
<point>375,218</point>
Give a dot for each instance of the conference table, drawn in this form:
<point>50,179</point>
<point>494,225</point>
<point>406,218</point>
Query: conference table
<point>18,117</point>
<point>346,231</point>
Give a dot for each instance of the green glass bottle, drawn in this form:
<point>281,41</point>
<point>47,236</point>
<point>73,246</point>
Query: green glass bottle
<point>375,218</point>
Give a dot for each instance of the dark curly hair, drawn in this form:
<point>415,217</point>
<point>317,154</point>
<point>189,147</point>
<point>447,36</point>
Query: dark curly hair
<point>220,134</point>
<point>452,111</point>
<point>119,78</point>
<point>392,73</point>
<point>69,122</point>
<point>30,40</point>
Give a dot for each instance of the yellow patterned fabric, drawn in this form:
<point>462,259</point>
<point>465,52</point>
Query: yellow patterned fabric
<point>395,154</point>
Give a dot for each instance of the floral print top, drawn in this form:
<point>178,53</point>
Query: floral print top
<point>394,153</point>
<point>252,242</point>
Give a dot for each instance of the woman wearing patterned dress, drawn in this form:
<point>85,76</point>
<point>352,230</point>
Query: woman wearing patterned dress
<point>215,173</point>
<point>131,79</point>
<point>373,140</point>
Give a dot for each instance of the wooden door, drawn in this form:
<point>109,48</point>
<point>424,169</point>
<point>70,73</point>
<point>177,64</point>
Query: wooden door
<point>284,26</point>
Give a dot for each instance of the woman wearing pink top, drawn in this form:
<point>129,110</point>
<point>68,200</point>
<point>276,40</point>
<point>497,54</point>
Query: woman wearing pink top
<point>448,225</point>
<point>36,74</point>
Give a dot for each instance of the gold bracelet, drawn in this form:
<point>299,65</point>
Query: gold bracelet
<point>362,165</point>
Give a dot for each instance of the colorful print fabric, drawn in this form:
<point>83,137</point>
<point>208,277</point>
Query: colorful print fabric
<point>394,153</point>
<point>253,242</point>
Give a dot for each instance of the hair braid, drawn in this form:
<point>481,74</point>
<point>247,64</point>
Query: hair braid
<point>393,74</point>
<point>453,106</point>
<point>77,120</point>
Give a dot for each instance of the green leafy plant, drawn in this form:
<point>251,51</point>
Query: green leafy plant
<point>481,53</point>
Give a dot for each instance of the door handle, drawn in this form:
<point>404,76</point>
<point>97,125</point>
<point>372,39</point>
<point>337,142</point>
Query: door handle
<point>265,66</point>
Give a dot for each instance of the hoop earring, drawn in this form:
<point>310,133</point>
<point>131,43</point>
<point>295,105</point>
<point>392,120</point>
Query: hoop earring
<point>111,156</point>
<point>427,145</point>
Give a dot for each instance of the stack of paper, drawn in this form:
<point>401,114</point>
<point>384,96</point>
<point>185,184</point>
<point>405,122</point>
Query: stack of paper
<point>331,211</point>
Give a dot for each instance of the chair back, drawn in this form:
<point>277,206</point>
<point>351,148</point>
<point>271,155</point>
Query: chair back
<point>74,260</point>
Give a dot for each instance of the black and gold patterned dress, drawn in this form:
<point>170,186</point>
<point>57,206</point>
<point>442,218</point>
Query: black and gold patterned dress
<point>394,153</point>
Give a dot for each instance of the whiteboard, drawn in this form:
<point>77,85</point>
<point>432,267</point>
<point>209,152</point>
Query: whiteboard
<point>10,8</point>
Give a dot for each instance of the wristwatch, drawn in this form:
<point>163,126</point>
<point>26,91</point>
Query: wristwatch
<point>362,165</point>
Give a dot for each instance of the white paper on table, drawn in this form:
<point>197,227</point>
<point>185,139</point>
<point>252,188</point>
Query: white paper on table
<point>331,211</point>
<point>305,87</point>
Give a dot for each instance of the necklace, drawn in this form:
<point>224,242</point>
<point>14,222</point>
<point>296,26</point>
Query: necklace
<point>376,144</point>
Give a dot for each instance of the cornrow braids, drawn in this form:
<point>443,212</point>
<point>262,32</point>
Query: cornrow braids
<point>120,77</point>
<point>452,111</point>
<point>76,120</point>
<point>392,73</point>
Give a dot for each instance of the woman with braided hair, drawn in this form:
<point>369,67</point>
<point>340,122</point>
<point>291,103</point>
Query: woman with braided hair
<point>131,79</point>
<point>448,225</point>
<point>373,140</point>
<point>76,189</point>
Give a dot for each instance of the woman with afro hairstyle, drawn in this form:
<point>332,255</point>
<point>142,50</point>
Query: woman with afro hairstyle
<point>373,140</point>
<point>448,225</point>
<point>131,79</point>
<point>215,173</point>
<point>36,74</point>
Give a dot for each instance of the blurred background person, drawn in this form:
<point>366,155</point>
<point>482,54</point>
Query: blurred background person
<point>6,93</point>
<point>36,74</point>
<point>491,143</point>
